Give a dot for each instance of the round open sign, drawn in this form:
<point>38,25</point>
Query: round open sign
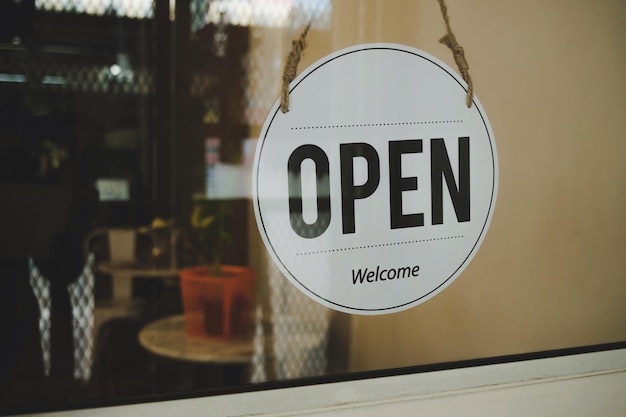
<point>376,189</point>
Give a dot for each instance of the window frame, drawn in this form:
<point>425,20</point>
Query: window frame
<point>574,381</point>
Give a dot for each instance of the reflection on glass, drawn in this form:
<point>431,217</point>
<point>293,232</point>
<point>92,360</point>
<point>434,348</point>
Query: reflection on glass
<point>140,9</point>
<point>117,122</point>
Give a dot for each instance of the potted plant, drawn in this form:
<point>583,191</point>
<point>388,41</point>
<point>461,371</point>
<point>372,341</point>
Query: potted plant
<point>217,297</point>
<point>211,225</point>
<point>162,238</point>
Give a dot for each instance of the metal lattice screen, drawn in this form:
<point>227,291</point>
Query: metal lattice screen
<point>91,46</point>
<point>84,71</point>
<point>262,64</point>
<point>74,73</point>
<point>139,9</point>
<point>102,49</point>
<point>300,329</point>
<point>299,326</point>
<point>265,13</point>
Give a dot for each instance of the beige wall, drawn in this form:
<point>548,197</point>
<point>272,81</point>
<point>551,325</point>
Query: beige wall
<point>551,272</point>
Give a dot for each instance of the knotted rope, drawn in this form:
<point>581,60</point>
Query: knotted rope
<point>291,66</point>
<point>298,46</point>
<point>457,51</point>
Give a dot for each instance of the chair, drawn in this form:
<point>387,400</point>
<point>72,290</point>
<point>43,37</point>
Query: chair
<point>81,293</point>
<point>81,296</point>
<point>43,294</point>
<point>125,254</point>
<point>112,246</point>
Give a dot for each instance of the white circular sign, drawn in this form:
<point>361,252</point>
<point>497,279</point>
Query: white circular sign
<point>376,189</point>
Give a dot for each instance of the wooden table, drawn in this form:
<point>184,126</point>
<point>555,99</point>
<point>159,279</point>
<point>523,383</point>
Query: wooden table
<point>167,337</point>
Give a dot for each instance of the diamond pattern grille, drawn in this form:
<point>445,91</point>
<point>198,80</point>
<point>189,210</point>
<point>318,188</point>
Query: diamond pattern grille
<point>300,329</point>
<point>96,65</point>
<point>83,78</point>
<point>262,13</point>
<point>139,9</point>
<point>41,289</point>
<point>299,325</point>
<point>85,46</point>
<point>81,294</point>
<point>263,84</point>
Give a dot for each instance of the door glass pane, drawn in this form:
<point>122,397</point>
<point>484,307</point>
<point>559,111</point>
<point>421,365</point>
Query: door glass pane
<point>132,267</point>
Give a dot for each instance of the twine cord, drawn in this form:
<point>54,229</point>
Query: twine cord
<point>457,52</point>
<point>291,66</point>
<point>298,46</point>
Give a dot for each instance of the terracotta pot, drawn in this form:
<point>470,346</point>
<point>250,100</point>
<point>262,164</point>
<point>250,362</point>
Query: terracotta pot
<point>218,306</point>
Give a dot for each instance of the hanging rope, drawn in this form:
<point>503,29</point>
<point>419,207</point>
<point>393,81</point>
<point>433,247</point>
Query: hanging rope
<point>457,51</point>
<point>291,66</point>
<point>298,46</point>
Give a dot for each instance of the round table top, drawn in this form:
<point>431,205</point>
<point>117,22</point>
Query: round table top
<point>168,337</point>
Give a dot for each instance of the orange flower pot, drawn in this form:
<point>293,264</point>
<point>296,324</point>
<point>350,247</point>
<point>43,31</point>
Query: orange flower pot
<point>218,306</point>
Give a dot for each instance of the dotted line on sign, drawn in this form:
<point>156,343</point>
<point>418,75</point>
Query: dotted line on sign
<point>376,124</point>
<point>408,242</point>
